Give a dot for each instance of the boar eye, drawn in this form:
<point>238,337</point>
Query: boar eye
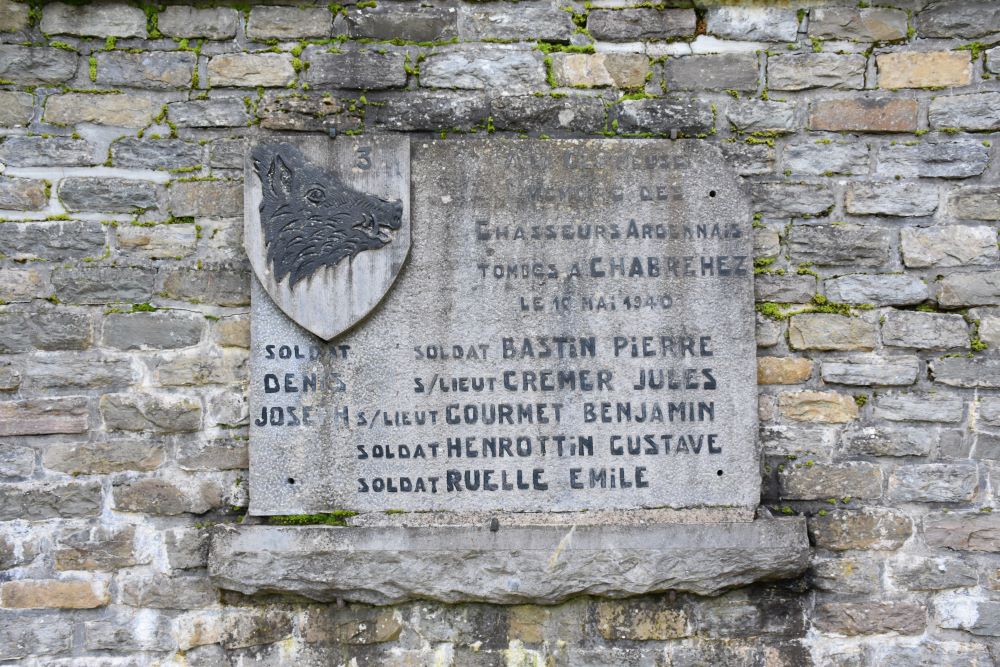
<point>315,195</point>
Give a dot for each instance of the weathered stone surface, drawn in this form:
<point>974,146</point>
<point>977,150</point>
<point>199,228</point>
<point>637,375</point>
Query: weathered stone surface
<point>94,20</point>
<point>162,330</point>
<point>163,592</point>
<point>52,240</point>
<point>889,289</point>
<point>935,331</point>
<point>289,22</point>
<point>211,23</point>
<point>975,203</point>
<point>624,25</point>
<point>16,108</point>
<point>949,246</point>
<point>89,458</point>
<point>416,24</point>
<point>934,483</point>
<point>22,194</point>
<point>958,158</point>
<point>818,406</point>
<point>933,574</point>
<point>891,198</point>
<point>172,241</point>
<point>969,289</point>
<point>371,626</point>
<point>889,441</point>
<point>975,111</point>
<point>958,19</point>
<point>96,549</point>
<point>46,152</point>
<point>67,370</point>
<point>993,60</point>
<point>38,502</point>
<point>223,287</point>
<point>784,288</point>
<point>966,531</point>
<point>233,332</point>
<point>186,548</point>
<point>15,463</point>
<point>224,454</point>
<point>797,439</point>
<point>367,70</point>
<point>163,497</point>
<point>871,528</point>
<point>124,632</point>
<point>866,618</point>
<point>761,116</point>
<point>919,407</point>
<point>733,71</point>
<point>962,612</point>
<point>251,69</point>
<point>864,114</point>
<point>208,199</point>
<point>222,112</point>
<point>875,24</point>
<point>31,635</point>
<point>101,285</point>
<point>846,574</point>
<point>639,621</point>
<point>431,111</point>
<point>10,377</point>
<point>23,285</point>
<point>147,412</point>
<point>54,594</point>
<point>768,332</point>
<point>818,481</point>
<point>823,331</point>
<point>931,654</point>
<point>13,17</point>
<point>815,70</point>
<point>36,65</point>
<point>159,70</point>
<point>108,195</point>
<point>782,200</point>
<point>763,24</point>
<point>445,563</point>
<point>529,112</point>
<point>814,158</point>
<point>23,330</point>
<point>486,22</point>
<point>783,370</point>
<point>910,69</point>
<point>662,115</point>
<point>498,67</point>
<point>121,110</point>
<point>596,70</point>
<point>303,113</point>
<point>39,416</point>
<point>197,368</point>
<point>962,372</point>
<point>874,372</point>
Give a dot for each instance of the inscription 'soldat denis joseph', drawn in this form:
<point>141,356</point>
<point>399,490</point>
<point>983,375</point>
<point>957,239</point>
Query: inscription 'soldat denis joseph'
<point>572,330</point>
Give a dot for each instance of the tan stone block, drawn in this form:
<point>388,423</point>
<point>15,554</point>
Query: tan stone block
<point>595,70</point>
<point>525,624</point>
<point>818,406</point>
<point>924,70</point>
<point>783,370</point>
<point>864,114</point>
<point>117,110</point>
<point>639,621</point>
<point>825,331</point>
<point>54,594</point>
<point>251,69</point>
<point>233,331</point>
<point>13,16</point>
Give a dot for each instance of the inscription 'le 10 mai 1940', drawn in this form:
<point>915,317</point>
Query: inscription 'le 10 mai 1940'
<point>572,329</point>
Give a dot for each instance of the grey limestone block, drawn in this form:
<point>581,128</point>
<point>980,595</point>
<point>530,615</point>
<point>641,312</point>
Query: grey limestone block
<point>365,69</point>
<point>108,195</point>
<point>538,564</point>
<point>816,70</point>
<point>69,240</point>
<point>958,19</point>
<point>625,25</point>
<point>37,65</point>
<point>840,245</point>
<point>211,23</point>
<point>16,108</point>
<point>416,24</point>
<point>957,158</point>
<point>664,115</point>
<point>973,111</point>
<point>542,21</point>
<point>871,24</point>
<point>221,112</point>
<point>97,20</point>
<point>735,71</point>
<point>289,23</point>
<point>158,70</point>
<point>889,289</point>
<point>498,67</point>
<point>753,23</point>
<point>24,151</point>
<point>430,111</point>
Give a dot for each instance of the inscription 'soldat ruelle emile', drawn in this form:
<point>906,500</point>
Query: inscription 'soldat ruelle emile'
<point>573,330</point>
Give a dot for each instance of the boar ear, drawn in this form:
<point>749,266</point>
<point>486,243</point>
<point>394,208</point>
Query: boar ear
<point>279,177</point>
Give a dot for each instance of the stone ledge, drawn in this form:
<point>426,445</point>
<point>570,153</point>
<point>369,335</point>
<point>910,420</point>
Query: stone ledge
<point>536,564</point>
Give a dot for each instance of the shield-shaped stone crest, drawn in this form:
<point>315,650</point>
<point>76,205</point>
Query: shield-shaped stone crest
<point>327,224</point>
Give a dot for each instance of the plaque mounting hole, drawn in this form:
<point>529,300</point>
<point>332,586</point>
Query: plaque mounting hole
<point>711,193</point>
<point>291,480</point>
<point>719,473</point>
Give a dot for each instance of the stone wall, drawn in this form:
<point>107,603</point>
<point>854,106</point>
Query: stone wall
<point>866,130</point>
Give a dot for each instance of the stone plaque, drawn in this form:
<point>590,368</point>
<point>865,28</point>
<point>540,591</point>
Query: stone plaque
<point>573,331</point>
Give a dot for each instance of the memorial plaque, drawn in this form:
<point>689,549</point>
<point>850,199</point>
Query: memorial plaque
<point>572,330</point>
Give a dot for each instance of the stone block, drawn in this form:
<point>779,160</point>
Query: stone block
<point>528,112</point>
<point>958,19</point>
<point>631,24</point>
<point>13,17</point>
<point>876,529</point>
<point>824,331</point>
<point>105,456</point>
<point>919,408</point>
<point>766,242</point>
<point>162,330</point>
<point>210,23</point>
<point>172,241</point>
<point>289,23</point>
<point>913,69</point>
<point>598,70</point>
<point>96,549</point>
<point>931,654</point>
<point>22,194</point>
<point>967,373</point>
<point>783,370</point>
<point>156,153</point>
<point>46,152</point>
<point>870,618</point>
<point>186,548</point>
<point>975,111</point>
<point>302,113</point>
<point>415,24</point>
<point>963,531</point>
<point>162,497</point>
<point>969,289</point>
<point>15,463</point>
<point>949,246</point>
<point>101,285</point>
<point>486,22</point>
<point>817,406</point>
<point>221,286</point>
<point>846,574</point>
<point>891,198</point>
<point>879,289</point>
<point>662,115</point>
<point>500,67</point>
<point>802,71</point>
<point>10,378</point>
<point>41,501</point>
<point>446,564</point>
<point>784,288</point>
<point>251,69</point>
<point>365,69</point>
<point>727,71</point>
<point>813,158</point>
<point>761,116</point>
<point>122,631</point>
<point>74,240</point>
<point>874,372</point>
<point>72,370</point>
<point>43,416</point>
<point>928,331</point>
<point>993,60</point>
<point>964,612</point>
<point>24,330</point>
<point>817,481</point>
<point>167,592</point>
<point>889,441</point>
<point>233,332</point>
<point>873,24</point>
<point>54,594</point>
<point>359,626</point>
<point>94,20</point>
<point>432,111</point>
<point>221,112</point>
<point>108,195</point>
<point>23,285</point>
<point>216,454</point>
<point>975,203</point>
<point>149,412</point>
<point>639,621</point>
<point>768,332</point>
<point>16,108</point>
<point>864,114</point>
<point>958,158</point>
<point>933,574</point>
<point>119,110</point>
<point>36,65</point>
<point>23,635</point>
<point>157,70</point>
<point>783,200</point>
<point>762,24</point>
<point>934,483</point>
<point>206,199</point>
<point>797,440</point>
<point>195,367</point>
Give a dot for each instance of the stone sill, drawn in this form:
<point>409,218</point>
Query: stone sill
<point>514,565</point>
